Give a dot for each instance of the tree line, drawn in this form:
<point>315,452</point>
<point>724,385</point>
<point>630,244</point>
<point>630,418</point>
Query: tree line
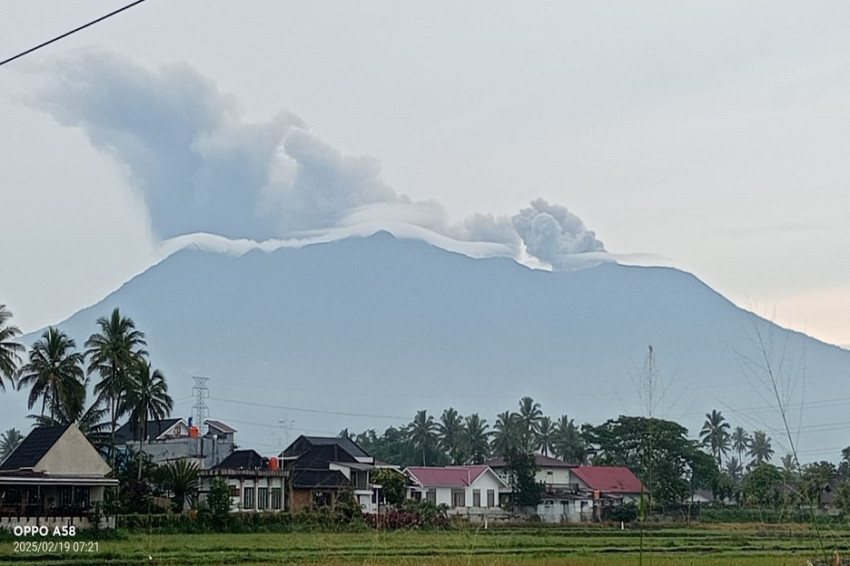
<point>58,377</point>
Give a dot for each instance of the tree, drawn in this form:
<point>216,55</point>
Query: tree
<point>506,434</point>
<point>9,441</point>
<point>544,436</point>
<point>522,469</point>
<point>734,468</point>
<point>760,449</point>
<point>146,397</point>
<point>715,434</point>
<point>181,479</point>
<point>422,432</point>
<point>529,419</point>
<point>814,478</point>
<point>569,445</point>
<point>392,483</point>
<point>218,499</point>
<point>740,442</point>
<point>113,352</point>
<point>476,438</point>
<point>449,431</point>
<point>844,464</point>
<point>761,485</point>
<point>54,374</point>
<point>10,350</point>
<point>657,451</point>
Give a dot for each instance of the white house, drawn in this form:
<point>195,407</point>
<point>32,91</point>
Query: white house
<point>469,490</point>
<point>256,484</point>
<point>574,493</point>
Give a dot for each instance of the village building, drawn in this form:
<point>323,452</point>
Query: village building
<point>256,484</point>
<point>322,470</point>
<point>172,439</point>
<point>54,477</point>
<point>468,490</point>
<point>574,493</point>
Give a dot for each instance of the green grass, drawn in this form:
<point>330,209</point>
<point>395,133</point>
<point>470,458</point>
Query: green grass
<point>583,546</point>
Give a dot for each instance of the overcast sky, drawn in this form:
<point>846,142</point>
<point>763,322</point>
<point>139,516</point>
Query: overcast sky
<point>712,138</point>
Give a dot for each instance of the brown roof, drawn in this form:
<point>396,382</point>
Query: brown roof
<point>539,459</point>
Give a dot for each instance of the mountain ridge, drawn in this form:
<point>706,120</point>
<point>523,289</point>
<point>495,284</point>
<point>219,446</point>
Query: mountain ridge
<point>382,326</point>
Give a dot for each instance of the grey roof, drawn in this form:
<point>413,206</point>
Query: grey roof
<point>243,460</point>
<point>345,443</point>
<point>220,426</point>
<point>129,431</point>
<point>34,447</point>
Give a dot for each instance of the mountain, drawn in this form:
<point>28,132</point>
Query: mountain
<point>362,332</point>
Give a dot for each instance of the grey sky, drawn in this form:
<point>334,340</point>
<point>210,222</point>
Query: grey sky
<point>711,138</point>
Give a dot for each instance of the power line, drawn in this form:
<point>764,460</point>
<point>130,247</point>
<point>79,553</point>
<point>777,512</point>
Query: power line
<point>73,31</point>
<point>316,411</point>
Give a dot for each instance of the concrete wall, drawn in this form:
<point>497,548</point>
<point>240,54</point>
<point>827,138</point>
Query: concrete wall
<point>210,451</point>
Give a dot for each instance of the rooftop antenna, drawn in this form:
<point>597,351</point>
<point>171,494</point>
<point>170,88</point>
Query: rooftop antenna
<point>201,393</point>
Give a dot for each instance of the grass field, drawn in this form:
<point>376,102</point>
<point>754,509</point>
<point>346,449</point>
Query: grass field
<point>719,545</point>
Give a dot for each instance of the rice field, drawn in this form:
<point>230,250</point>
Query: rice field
<point>707,546</point>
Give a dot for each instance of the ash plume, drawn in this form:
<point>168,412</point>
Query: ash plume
<point>201,168</point>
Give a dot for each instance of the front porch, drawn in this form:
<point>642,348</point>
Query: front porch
<point>39,499</point>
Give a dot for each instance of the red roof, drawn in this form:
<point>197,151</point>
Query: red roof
<point>449,476</point>
<point>608,479</point>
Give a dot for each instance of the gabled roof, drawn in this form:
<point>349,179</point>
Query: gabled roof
<point>243,460</point>
<point>129,431</point>
<point>608,479</point>
<point>539,459</point>
<point>448,476</point>
<point>34,447</point>
<point>220,426</point>
<point>343,442</point>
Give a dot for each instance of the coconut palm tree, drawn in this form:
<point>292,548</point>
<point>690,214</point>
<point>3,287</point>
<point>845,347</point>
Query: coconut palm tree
<point>507,433</point>
<point>476,438</point>
<point>449,431</point>
<point>10,350</point>
<point>529,418</point>
<point>422,432</point>
<point>9,441</point>
<point>740,441</point>
<point>54,373</point>
<point>715,434</point>
<point>760,449</point>
<point>568,443</point>
<point>112,353</point>
<point>544,436</point>
<point>146,397</point>
<point>734,468</point>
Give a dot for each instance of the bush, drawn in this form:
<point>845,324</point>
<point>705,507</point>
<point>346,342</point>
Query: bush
<point>626,513</point>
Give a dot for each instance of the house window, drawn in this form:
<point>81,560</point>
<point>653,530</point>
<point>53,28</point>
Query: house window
<point>458,498</point>
<point>262,498</point>
<point>276,498</point>
<point>491,498</point>
<point>248,498</point>
<point>476,498</point>
<point>431,495</point>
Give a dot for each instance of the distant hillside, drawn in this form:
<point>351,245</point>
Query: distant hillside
<point>382,327</point>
